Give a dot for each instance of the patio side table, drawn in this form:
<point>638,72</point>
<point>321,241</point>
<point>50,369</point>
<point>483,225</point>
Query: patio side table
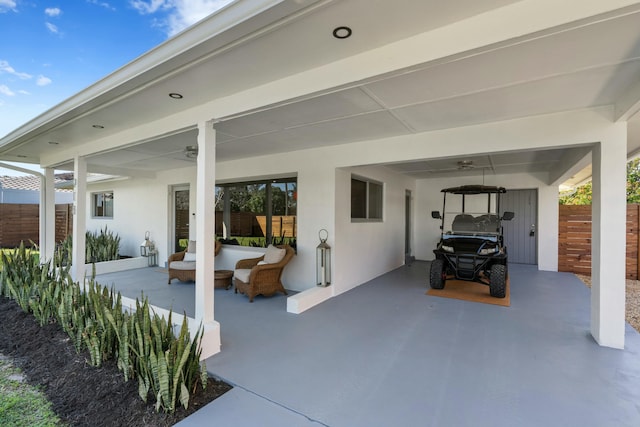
<point>222,279</point>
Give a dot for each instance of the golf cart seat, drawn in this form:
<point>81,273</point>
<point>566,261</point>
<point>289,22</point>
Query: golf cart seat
<point>463,222</point>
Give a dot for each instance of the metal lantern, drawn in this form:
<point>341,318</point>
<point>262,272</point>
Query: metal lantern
<point>146,247</point>
<point>323,260</point>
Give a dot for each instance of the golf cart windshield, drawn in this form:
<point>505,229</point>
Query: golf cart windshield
<point>471,214</point>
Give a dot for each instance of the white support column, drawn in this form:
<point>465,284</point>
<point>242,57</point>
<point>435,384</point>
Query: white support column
<point>205,237</point>
<point>47,215</point>
<point>608,239</point>
<point>548,217</point>
<point>79,217</point>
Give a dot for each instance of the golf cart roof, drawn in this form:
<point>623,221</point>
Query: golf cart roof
<point>474,189</point>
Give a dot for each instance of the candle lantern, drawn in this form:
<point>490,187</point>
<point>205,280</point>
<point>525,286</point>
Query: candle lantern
<point>148,250</point>
<point>323,260</point>
<point>147,246</point>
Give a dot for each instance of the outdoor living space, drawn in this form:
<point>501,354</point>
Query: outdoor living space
<point>385,353</point>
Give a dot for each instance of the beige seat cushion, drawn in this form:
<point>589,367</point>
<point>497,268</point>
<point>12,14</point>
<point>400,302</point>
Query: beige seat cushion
<point>242,274</point>
<point>183,265</point>
<point>274,255</point>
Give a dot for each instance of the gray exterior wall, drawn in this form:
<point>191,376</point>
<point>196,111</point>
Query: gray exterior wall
<point>11,196</point>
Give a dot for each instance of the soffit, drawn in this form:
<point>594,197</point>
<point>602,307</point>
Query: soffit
<point>575,67</point>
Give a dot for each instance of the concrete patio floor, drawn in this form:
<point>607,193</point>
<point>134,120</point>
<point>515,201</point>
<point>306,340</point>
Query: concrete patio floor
<point>386,354</point>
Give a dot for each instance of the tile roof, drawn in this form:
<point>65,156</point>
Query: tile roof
<point>31,182</point>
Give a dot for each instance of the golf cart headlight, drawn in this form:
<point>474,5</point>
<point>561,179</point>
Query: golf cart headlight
<point>488,251</point>
<point>447,248</point>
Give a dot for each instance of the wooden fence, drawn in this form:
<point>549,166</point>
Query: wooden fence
<point>574,240</point>
<point>21,222</point>
<point>247,224</point>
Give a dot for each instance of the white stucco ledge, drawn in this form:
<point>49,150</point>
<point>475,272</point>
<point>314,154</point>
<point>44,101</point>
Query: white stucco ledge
<point>117,265</point>
<point>306,299</point>
<point>210,343</point>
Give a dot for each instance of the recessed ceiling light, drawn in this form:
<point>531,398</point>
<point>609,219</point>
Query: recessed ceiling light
<point>97,126</point>
<point>53,143</point>
<point>175,95</point>
<point>342,32</point>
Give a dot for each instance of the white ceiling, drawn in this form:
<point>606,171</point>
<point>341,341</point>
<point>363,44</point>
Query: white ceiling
<point>575,67</point>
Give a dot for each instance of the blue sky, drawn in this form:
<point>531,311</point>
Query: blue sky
<point>50,50</point>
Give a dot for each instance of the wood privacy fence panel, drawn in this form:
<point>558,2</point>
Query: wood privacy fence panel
<point>574,240</point>
<point>248,224</point>
<point>64,221</point>
<point>21,222</point>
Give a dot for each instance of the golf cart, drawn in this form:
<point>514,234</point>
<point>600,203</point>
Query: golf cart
<point>471,244</point>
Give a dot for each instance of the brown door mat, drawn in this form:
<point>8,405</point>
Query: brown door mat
<point>471,291</point>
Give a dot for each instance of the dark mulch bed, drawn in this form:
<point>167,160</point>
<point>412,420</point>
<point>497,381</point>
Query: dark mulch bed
<point>81,394</point>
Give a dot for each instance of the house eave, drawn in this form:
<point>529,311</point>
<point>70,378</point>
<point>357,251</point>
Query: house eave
<point>233,22</point>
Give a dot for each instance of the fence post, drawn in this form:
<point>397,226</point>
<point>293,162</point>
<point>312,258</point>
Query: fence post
<point>637,233</point>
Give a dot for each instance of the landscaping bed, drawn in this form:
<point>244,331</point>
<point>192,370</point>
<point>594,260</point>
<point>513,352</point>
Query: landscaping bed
<point>632,314</point>
<point>80,393</point>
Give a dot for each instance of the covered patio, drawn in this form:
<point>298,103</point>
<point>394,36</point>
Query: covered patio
<point>385,354</point>
<point>524,94</point>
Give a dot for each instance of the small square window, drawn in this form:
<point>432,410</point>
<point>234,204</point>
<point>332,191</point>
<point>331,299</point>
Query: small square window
<point>102,204</point>
<point>366,200</point>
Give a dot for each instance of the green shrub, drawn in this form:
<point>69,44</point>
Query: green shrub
<point>99,246</point>
<point>143,344</point>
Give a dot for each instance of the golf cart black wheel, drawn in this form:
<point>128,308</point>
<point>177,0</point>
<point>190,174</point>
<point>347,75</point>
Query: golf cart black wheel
<point>498,281</point>
<point>437,274</point>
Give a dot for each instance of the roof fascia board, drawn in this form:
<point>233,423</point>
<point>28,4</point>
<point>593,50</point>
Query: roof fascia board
<point>19,169</point>
<point>234,16</point>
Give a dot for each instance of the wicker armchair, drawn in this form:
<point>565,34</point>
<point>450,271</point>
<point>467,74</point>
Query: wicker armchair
<point>185,271</point>
<point>263,279</point>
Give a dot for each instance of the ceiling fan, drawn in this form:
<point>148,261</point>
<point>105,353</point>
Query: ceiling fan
<point>191,151</point>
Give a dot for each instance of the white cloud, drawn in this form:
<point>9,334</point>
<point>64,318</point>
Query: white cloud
<point>6,68</point>
<point>146,7</point>
<point>43,81</point>
<point>181,13</point>
<point>23,92</point>
<point>4,90</point>
<point>6,5</point>
<point>51,27</point>
<point>104,4</point>
<point>52,11</point>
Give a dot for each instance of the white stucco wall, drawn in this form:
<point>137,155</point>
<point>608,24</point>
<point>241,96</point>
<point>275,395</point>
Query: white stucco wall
<point>323,202</point>
<point>365,250</point>
<point>140,205</point>
<point>323,193</point>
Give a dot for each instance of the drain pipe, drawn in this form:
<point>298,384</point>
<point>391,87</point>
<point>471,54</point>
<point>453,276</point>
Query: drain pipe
<point>45,246</point>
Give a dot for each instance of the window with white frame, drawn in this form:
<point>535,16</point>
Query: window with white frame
<point>102,204</point>
<point>366,200</point>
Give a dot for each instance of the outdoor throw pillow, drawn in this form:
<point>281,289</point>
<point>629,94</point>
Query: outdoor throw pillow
<point>189,256</point>
<point>274,255</point>
<point>192,246</point>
